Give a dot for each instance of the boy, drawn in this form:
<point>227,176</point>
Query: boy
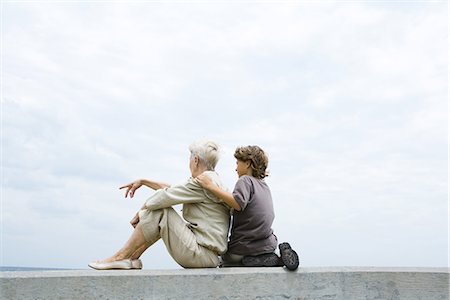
<point>252,242</point>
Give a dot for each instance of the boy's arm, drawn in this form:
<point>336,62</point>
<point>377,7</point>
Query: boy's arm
<point>227,197</point>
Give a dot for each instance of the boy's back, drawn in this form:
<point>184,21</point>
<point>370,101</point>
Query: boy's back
<point>252,226</point>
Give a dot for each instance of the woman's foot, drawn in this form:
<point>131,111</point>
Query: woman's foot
<point>122,264</point>
<point>136,264</point>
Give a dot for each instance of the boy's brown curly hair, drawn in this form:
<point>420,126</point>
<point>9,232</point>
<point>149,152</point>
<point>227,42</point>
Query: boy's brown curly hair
<point>256,156</point>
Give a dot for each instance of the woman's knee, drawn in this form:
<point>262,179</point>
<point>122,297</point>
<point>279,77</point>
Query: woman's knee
<point>199,259</point>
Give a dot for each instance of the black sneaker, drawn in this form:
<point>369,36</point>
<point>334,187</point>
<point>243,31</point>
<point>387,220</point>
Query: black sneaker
<point>288,256</point>
<point>262,260</point>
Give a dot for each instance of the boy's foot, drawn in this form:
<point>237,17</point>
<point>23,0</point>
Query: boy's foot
<point>288,256</point>
<point>262,260</point>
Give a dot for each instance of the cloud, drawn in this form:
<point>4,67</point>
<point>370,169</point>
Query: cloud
<point>348,99</point>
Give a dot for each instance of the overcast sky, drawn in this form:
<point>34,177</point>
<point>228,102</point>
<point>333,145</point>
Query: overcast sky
<point>348,98</point>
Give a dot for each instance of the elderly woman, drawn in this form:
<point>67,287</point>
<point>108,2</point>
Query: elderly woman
<point>195,240</point>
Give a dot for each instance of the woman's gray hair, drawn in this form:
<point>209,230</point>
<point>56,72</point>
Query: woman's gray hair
<point>207,152</point>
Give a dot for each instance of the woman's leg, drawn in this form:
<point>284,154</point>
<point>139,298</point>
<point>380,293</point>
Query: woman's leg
<point>178,238</point>
<point>140,250</point>
<point>145,234</point>
<point>182,244</point>
<point>135,243</point>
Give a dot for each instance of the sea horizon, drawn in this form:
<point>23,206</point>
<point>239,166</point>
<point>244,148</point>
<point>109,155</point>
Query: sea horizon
<point>24,269</point>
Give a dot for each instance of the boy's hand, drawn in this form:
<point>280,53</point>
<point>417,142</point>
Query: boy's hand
<point>205,181</point>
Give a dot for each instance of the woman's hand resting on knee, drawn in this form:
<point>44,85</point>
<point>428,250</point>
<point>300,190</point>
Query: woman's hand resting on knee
<point>135,220</point>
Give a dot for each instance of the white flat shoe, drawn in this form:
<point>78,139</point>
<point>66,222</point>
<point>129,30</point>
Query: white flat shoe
<point>124,264</point>
<point>136,264</point>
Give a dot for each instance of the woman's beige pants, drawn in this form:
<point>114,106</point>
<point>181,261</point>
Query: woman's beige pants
<point>167,224</point>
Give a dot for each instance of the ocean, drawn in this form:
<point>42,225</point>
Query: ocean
<point>15,269</point>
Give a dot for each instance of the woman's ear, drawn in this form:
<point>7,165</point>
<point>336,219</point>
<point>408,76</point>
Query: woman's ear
<point>248,164</point>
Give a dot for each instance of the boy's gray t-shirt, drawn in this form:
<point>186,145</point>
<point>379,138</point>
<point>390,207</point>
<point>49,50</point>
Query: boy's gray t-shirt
<point>252,233</point>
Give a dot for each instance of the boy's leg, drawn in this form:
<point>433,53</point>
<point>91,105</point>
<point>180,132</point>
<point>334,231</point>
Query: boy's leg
<point>262,260</point>
<point>289,256</point>
<point>232,260</point>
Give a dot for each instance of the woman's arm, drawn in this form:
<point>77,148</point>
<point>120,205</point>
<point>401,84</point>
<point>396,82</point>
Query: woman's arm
<point>154,185</point>
<point>227,197</point>
<point>133,186</point>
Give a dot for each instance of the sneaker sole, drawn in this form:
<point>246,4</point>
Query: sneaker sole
<point>261,261</point>
<point>289,256</point>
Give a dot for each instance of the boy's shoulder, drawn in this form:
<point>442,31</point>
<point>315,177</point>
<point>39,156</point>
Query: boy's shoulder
<point>251,181</point>
<point>247,179</point>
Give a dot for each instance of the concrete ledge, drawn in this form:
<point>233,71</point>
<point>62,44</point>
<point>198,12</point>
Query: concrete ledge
<point>230,283</point>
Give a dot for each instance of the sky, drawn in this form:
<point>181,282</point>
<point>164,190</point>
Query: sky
<point>348,98</point>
